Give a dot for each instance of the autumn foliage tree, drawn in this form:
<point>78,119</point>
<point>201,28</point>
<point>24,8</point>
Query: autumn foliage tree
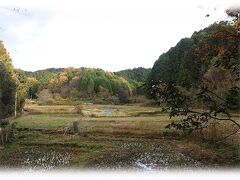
<point>76,83</point>
<point>8,84</point>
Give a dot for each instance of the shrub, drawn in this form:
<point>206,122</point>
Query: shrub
<point>4,123</point>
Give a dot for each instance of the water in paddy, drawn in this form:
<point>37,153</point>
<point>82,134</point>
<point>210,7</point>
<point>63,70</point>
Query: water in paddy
<point>44,160</point>
<point>100,111</point>
<point>106,111</point>
<point>146,156</point>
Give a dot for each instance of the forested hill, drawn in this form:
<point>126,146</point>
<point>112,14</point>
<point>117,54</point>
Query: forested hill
<point>199,56</point>
<point>82,83</point>
<point>208,60</point>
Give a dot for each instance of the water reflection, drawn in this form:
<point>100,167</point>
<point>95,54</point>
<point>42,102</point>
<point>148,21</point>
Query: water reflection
<point>44,160</point>
<point>146,157</point>
<point>99,111</point>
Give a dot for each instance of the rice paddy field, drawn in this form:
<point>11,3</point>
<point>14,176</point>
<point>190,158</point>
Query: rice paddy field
<point>109,137</point>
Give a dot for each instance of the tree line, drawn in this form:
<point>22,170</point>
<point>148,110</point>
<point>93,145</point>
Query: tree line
<point>83,83</point>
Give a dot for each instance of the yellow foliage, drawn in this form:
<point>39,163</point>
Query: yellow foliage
<point>62,78</point>
<point>75,78</point>
<point>32,79</point>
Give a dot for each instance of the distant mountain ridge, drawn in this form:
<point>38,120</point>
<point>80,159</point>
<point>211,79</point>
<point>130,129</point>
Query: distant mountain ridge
<point>138,74</point>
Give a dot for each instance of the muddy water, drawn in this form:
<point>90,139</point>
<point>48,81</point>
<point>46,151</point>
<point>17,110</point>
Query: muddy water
<point>146,157</point>
<point>35,158</point>
<point>45,160</point>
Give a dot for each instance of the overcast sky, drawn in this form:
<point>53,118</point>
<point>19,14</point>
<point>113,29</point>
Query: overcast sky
<point>108,34</point>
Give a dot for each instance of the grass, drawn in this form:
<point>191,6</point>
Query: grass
<point>134,119</point>
<point>44,121</point>
<point>210,153</point>
<point>88,124</point>
<point>82,149</point>
<point>95,110</point>
<point>85,150</point>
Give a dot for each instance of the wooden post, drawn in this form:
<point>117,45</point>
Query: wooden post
<point>75,127</point>
<point>1,136</point>
<point>15,107</point>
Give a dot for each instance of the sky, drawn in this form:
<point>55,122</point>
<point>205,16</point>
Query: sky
<point>108,34</point>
